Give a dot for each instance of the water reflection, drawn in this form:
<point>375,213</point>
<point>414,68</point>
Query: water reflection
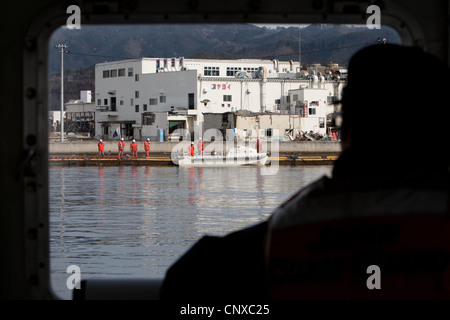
<point>136,221</point>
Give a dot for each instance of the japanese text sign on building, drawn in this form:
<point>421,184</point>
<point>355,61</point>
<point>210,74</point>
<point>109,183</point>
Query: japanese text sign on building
<point>220,86</point>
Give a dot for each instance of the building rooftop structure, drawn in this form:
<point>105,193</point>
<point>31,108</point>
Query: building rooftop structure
<point>238,68</point>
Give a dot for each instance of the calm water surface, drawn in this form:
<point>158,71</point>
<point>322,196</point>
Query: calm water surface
<point>134,222</point>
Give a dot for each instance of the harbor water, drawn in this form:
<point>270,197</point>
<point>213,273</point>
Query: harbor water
<point>135,221</point>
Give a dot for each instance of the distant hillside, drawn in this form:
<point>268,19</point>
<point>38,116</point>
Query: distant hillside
<point>95,44</point>
<point>320,43</point>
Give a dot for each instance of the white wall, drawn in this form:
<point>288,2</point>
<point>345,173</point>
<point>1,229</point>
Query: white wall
<point>175,86</point>
<point>309,97</point>
<point>248,94</point>
<point>56,116</point>
<point>262,122</point>
<point>152,131</point>
<point>253,64</point>
<point>215,91</point>
<point>256,95</point>
<point>133,93</point>
<point>86,96</point>
<point>124,86</point>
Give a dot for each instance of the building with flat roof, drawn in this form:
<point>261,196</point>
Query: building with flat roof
<point>153,97</point>
<point>80,114</point>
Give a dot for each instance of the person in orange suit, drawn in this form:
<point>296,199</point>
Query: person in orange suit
<point>191,149</point>
<point>147,147</point>
<point>101,148</point>
<point>121,146</point>
<point>258,146</point>
<point>200,146</point>
<point>133,147</point>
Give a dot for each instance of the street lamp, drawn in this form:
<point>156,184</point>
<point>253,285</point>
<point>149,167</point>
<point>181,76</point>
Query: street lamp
<point>61,122</point>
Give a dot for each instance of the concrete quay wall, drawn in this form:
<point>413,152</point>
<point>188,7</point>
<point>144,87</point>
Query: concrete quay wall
<point>165,148</point>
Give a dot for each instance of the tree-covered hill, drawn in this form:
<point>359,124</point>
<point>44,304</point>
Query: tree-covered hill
<point>94,44</point>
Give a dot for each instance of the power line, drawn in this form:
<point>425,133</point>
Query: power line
<point>99,55</point>
<point>254,57</point>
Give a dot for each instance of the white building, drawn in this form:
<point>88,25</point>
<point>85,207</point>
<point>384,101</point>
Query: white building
<point>151,97</point>
<point>80,114</point>
<point>312,106</point>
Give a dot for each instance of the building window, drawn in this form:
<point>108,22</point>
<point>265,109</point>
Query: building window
<point>153,101</point>
<point>136,94</point>
<point>113,104</point>
<point>311,110</point>
<point>314,103</point>
<point>114,73</point>
<point>105,102</point>
<point>105,73</point>
<point>295,97</point>
<point>136,108</point>
<point>162,99</point>
<point>121,102</point>
<point>136,77</point>
<point>99,102</point>
<point>131,101</point>
<point>144,107</point>
<point>321,122</point>
<point>226,97</point>
<point>231,71</point>
<point>331,99</point>
<point>130,72</point>
<point>122,72</point>
<point>191,102</point>
<point>211,71</point>
<point>223,105</point>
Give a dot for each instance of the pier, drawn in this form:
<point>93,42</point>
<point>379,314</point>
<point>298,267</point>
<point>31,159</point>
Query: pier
<point>84,153</point>
<point>167,161</point>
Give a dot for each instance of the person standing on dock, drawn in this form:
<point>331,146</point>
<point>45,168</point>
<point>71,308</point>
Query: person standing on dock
<point>200,146</point>
<point>147,147</point>
<point>191,149</point>
<point>258,146</point>
<point>101,148</point>
<point>133,147</point>
<point>121,146</point>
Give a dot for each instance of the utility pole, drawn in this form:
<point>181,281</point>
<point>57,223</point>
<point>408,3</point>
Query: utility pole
<point>61,121</point>
<point>299,50</point>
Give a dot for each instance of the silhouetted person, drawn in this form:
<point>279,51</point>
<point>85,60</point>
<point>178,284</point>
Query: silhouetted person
<point>395,162</point>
